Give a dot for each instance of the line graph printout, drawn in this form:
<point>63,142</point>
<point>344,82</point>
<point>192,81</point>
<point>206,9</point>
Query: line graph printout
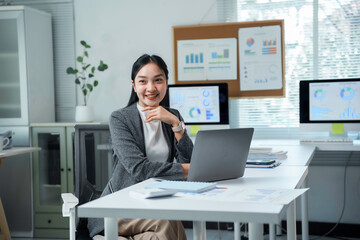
<point>260,58</point>
<point>207,59</point>
<point>338,101</point>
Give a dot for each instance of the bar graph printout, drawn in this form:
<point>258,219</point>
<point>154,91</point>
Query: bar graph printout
<point>207,59</point>
<point>260,58</point>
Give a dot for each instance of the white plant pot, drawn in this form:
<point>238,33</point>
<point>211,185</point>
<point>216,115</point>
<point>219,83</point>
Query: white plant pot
<point>84,114</point>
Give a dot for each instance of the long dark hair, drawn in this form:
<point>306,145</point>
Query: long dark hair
<point>138,64</point>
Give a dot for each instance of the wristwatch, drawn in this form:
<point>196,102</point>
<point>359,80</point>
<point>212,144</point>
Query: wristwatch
<point>180,127</point>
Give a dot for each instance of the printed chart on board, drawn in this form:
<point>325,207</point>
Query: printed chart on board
<point>260,58</point>
<point>207,59</point>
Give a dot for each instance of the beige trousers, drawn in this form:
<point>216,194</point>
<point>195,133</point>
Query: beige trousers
<point>149,229</point>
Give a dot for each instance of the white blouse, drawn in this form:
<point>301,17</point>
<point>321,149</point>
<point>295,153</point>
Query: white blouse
<point>155,143</point>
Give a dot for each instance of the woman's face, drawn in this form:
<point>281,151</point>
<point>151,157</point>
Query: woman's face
<point>150,85</point>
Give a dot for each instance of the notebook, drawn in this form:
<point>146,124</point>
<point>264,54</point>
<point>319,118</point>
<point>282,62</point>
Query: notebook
<point>263,164</point>
<point>218,155</point>
<point>183,186</point>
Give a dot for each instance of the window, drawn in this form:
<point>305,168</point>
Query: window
<point>321,42</point>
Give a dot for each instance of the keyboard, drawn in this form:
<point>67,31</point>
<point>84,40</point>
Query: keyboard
<point>326,140</point>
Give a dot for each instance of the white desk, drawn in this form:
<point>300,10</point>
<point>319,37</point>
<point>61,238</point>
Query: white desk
<point>301,155</point>
<point>284,143</point>
<point>298,155</point>
<point>5,233</point>
<point>121,205</point>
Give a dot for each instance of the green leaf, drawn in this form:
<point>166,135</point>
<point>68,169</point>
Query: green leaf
<point>86,54</point>
<point>91,75</point>
<point>69,70</point>
<point>85,91</point>
<point>77,81</point>
<point>83,78</point>
<point>84,68</point>
<point>89,86</point>
<point>96,83</point>
<point>82,42</point>
<point>93,70</point>
<point>88,46</point>
<point>79,59</point>
<point>102,67</point>
<point>75,71</point>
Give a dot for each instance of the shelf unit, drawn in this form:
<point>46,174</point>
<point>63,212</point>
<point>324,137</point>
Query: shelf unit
<point>53,172</point>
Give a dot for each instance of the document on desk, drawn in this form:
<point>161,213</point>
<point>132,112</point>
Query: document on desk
<point>273,196</point>
<point>260,195</point>
<point>212,194</point>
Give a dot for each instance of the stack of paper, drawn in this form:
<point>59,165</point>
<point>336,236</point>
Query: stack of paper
<point>265,157</point>
<point>260,150</point>
<point>266,153</point>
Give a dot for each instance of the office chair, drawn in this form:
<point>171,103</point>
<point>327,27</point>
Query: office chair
<point>93,167</point>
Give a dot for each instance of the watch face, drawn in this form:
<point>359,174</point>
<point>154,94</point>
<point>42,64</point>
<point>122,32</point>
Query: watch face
<point>182,125</point>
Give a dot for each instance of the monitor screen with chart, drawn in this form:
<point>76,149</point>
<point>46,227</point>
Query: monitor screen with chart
<point>323,102</point>
<point>198,104</point>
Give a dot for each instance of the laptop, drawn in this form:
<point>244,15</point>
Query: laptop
<point>218,155</point>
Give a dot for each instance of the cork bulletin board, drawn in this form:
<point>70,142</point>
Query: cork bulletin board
<point>249,56</point>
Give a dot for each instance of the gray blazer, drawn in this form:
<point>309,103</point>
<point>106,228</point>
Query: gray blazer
<point>132,165</point>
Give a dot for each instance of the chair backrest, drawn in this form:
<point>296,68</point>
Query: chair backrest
<point>93,166</point>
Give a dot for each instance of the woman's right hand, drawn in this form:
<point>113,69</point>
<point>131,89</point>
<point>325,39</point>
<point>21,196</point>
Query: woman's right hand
<point>185,167</point>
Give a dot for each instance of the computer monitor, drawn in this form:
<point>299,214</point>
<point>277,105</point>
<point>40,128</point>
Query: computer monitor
<point>325,102</point>
<point>200,103</point>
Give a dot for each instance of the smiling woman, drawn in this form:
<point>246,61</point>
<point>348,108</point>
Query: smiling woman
<point>150,85</point>
<point>147,137</point>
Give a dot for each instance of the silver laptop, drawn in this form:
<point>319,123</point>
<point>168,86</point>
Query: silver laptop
<point>220,154</point>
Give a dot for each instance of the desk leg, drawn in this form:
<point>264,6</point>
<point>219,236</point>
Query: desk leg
<point>304,212</point>
<point>256,231</point>
<point>3,224</point>
<point>199,230</point>
<point>237,231</point>
<point>291,221</point>
<point>111,228</point>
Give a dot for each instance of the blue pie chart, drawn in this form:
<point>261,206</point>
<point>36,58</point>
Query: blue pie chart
<point>347,93</point>
<point>194,112</point>
<point>319,94</point>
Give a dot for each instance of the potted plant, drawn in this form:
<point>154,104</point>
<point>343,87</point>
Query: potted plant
<point>85,78</point>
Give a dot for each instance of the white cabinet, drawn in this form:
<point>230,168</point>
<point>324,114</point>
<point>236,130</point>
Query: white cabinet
<point>53,174</point>
<point>26,96</point>
<point>26,66</point>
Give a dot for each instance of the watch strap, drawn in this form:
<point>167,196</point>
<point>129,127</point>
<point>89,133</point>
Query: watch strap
<point>179,128</point>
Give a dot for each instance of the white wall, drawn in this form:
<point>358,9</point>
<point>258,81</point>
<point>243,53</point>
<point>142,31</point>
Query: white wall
<point>119,31</point>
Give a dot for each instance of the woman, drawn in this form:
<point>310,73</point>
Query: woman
<point>146,137</point>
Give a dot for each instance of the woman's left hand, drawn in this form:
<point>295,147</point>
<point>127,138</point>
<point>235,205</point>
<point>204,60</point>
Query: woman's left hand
<point>160,113</point>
